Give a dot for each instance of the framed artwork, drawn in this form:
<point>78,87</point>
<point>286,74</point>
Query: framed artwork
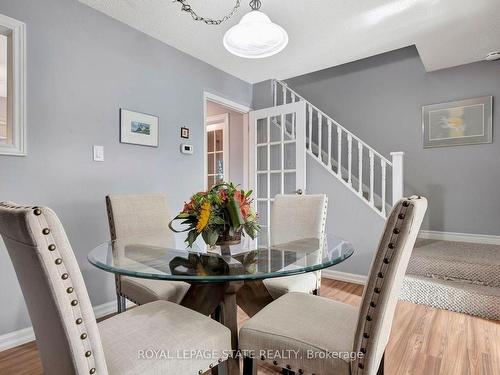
<point>464,122</point>
<point>139,128</point>
<point>185,133</point>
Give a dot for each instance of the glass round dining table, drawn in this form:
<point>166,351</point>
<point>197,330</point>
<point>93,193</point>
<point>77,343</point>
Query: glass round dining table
<point>221,279</point>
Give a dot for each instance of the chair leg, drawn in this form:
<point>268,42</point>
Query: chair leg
<point>380,370</point>
<point>217,314</point>
<point>249,366</point>
<point>121,303</point>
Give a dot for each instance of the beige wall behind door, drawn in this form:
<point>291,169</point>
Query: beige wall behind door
<point>235,140</point>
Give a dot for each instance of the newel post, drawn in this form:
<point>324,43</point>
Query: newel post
<point>397,176</point>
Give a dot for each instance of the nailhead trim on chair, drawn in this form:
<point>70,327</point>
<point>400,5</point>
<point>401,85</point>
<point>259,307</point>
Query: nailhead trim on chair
<point>377,290</point>
<point>64,276</point>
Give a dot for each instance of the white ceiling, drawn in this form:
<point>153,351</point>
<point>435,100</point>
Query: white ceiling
<point>323,33</point>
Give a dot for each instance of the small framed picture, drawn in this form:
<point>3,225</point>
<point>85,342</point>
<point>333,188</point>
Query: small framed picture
<point>185,133</point>
<point>464,122</point>
<point>139,128</point>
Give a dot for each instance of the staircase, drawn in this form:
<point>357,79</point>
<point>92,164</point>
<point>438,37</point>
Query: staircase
<point>375,179</point>
<point>457,276</point>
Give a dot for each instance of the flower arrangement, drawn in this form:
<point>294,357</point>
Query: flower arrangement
<point>221,214</point>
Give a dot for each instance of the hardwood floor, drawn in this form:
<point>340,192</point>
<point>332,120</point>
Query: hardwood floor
<point>424,341</point>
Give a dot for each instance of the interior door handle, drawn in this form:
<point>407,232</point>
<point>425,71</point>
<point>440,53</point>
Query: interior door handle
<point>299,192</point>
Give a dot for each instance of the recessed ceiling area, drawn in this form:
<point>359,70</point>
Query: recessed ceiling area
<point>323,33</point>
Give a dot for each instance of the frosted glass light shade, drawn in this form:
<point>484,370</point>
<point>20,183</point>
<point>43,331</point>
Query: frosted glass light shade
<point>255,37</point>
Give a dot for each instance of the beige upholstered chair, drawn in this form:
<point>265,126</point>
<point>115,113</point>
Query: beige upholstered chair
<point>135,215</point>
<point>293,218</point>
<point>68,338</point>
<point>313,325</point>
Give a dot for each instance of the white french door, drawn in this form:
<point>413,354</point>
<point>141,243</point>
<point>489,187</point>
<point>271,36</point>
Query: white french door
<point>277,158</point>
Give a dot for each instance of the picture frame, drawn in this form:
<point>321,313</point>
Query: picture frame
<point>184,132</point>
<point>139,128</point>
<point>458,123</point>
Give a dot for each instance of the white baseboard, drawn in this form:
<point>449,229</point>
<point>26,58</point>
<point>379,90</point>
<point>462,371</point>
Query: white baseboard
<point>460,237</point>
<point>16,338</point>
<point>25,335</point>
<point>344,276</point>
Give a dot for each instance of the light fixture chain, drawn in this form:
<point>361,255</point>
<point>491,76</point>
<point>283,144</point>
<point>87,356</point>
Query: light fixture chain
<point>209,21</point>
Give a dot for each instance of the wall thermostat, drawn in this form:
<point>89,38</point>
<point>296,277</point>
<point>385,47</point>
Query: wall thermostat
<point>187,149</point>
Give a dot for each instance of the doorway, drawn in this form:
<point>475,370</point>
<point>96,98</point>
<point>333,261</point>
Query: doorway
<point>226,142</point>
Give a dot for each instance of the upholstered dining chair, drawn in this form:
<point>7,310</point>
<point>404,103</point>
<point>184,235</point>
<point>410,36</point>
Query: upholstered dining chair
<point>295,218</point>
<point>324,334</point>
<point>134,215</point>
<point>69,339</point>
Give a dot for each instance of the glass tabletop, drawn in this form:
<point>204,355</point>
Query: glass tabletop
<point>148,257</point>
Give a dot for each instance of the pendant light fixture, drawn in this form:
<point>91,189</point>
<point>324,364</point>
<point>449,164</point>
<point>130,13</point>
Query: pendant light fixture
<point>255,36</point>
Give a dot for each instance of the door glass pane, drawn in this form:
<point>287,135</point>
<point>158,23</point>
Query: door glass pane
<point>219,165</point>
<point>275,184</point>
<point>219,140</point>
<point>262,186</point>
<point>210,141</point>
<point>275,157</point>
<point>289,126</point>
<point>262,212</point>
<point>290,187</point>
<point>262,241</point>
<point>290,155</point>
<point>211,181</point>
<point>275,129</point>
<point>262,158</point>
<point>211,164</point>
<point>262,130</point>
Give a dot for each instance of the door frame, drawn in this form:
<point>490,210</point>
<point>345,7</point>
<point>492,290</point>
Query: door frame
<point>234,106</point>
<point>220,121</point>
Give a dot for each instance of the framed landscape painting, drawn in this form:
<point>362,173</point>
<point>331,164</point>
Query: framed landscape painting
<point>139,128</point>
<point>464,122</point>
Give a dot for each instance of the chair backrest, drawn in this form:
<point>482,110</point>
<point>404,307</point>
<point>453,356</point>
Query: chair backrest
<point>295,217</point>
<point>60,310</point>
<point>139,214</point>
<point>384,283</point>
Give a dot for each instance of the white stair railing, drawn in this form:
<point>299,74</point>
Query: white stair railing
<point>334,147</point>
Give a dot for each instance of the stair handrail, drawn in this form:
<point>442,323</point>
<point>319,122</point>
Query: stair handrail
<point>284,84</point>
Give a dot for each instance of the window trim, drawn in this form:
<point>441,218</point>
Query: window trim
<point>17,92</point>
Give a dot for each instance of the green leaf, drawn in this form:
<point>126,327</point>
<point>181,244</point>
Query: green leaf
<point>235,213</point>
<point>192,236</point>
<point>210,236</point>
<point>217,220</point>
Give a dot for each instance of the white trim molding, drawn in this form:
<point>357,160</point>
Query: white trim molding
<point>16,86</point>
<point>12,339</point>
<point>345,276</point>
<point>460,237</point>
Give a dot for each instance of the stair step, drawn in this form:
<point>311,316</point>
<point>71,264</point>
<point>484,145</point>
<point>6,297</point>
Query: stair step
<point>476,263</point>
<point>459,296</point>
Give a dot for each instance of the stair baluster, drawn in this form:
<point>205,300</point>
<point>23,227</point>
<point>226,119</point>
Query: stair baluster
<point>369,194</point>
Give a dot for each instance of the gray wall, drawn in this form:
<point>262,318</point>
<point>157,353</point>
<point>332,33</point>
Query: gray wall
<point>82,67</point>
<point>380,100</point>
<point>348,217</point>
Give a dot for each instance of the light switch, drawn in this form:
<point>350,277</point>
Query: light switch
<point>98,153</point>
